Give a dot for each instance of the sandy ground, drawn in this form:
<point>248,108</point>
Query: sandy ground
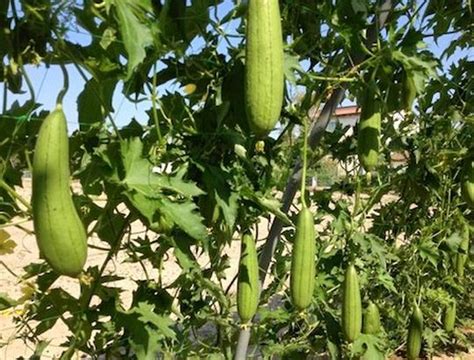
<point>26,252</point>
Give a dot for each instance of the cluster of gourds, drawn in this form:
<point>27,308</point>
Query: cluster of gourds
<point>62,239</point>
<point>354,319</point>
<point>263,99</point>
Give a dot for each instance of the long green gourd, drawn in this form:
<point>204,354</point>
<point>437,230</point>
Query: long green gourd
<point>248,286</point>
<point>264,79</point>
<point>415,333</point>
<point>449,317</point>
<point>303,271</point>
<point>408,90</point>
<point>368,137</point>
<point>351,305</point>
<point>467,182</point>
<point>371,323</point>
<point>462,254</point>
<point>60,234</point>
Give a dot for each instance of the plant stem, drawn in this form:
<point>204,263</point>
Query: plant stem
<point>65,88</point>
<point>8,269</point>
<point>332,78</point>
<point>5,98</point>
<point>14,194</point>
<point>153,106</point>
<point>242,344</point>
<point>305,163</point>
<point>16,224</point>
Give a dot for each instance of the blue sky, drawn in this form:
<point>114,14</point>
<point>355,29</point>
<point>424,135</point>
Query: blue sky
<point>48,81</point>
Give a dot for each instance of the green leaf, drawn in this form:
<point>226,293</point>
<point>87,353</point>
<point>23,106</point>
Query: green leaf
<point>108,38</point>
<point>145,330</point>
<point>387,281</point>
<point>172,21</point>
<point>429,251</point>
<point>6,302</point>
<point>184,213</point>
<point>333,350</point>
<point>217,183</point>
<point>453,241</point>
<point>95,101</point>
<point>145,192</point>
<point>196,18</point>
<point>368,345</point>
<point>136,35</point>
<point>6,244</point>
<point>186,216</point>
<point>273,315</point>
<point>184,257</point>
<point>139,174</point>
<point>291,64</point>
<point>359,7</point>
<point>52,306</point>
<point>144,340</point>
<point>162,323</point>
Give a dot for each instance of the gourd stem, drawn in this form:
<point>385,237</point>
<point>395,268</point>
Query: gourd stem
<point>9,270</point>
<point>14,194</point>
<point>30,87</point>
<point>154,107</point>
<point>357,196</point>
<point>305,162</point>
<point>62,93</point>
<point>5,98</point>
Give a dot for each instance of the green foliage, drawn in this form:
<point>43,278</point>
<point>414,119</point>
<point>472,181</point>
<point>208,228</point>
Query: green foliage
<point>191,175</point>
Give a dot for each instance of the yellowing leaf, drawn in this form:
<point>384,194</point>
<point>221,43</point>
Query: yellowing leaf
<point>6,244</point>
<point>190,88</point>
<point>260,146</point>
<point>28,290</point>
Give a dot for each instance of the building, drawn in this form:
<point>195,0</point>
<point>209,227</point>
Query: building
<point>344,115</point>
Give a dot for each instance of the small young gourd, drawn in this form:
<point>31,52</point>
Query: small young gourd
<point>371,323</point>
